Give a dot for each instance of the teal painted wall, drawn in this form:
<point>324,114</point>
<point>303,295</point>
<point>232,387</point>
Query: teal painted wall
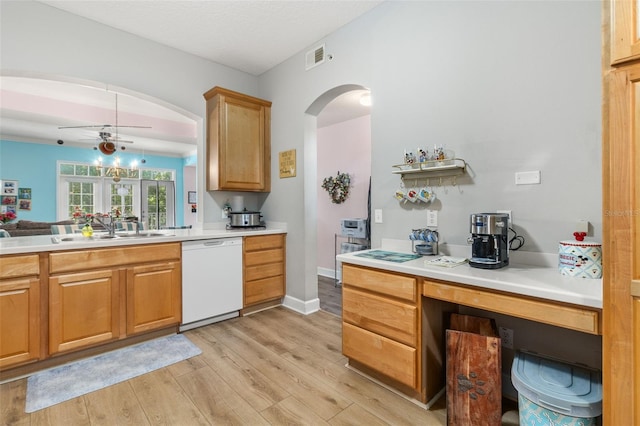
<point>33,165</point>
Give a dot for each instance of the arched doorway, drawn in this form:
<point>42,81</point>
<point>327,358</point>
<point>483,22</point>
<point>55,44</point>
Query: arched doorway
<point>321,244</point>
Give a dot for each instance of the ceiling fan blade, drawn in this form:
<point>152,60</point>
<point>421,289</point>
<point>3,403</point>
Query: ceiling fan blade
<point>103,126</point>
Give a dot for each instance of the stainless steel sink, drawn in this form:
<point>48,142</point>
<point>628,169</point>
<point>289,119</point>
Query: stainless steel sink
<point>144,235</point>
<point>97,237</point>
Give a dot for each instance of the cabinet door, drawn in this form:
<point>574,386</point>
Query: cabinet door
<point>84,309</point>
<point>242,145</point>
<point>154,297</point>
<point>625,36</point>
<point>621,241</point>
<point>19,321</point>
<point>238,142</point>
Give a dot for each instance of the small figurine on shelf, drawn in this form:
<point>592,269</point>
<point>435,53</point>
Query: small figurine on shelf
<point>438,153</point>
<point>422,155</point>
<point>409,158</point>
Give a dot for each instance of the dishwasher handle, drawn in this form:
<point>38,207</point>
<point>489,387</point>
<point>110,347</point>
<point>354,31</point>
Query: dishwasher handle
<point>213,243</point>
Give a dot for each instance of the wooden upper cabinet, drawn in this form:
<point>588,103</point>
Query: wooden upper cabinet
<point>238,142</point>
<point>625,37</point>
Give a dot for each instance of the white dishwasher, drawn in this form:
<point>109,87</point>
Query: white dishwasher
<point>211,281</point>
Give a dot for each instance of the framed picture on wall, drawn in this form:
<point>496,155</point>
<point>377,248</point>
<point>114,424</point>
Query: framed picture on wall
<point>24,205</point>
<point>192,197</point>
<point>9,200</point>
<point>24,193</point>
<point>9,187</point>
<point>8,209</point>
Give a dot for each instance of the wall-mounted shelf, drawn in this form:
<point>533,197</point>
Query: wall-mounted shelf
<point>428,169</point>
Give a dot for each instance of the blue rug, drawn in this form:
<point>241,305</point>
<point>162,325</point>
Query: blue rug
<point>69,381</point>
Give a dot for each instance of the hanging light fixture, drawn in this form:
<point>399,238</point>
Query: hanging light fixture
<point>116,171</point>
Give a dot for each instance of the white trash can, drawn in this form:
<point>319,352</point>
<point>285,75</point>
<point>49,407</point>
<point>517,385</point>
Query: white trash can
<point>552,392</point>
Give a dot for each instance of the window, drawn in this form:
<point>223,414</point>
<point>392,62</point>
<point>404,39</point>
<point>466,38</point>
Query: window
<point>94,190</point>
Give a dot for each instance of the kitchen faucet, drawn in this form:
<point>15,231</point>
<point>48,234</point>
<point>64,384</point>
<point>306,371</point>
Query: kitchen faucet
<point>135,220</point>
<point>110,226</point>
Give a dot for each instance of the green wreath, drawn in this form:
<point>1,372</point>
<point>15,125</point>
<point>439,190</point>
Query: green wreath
<point>337,187</point>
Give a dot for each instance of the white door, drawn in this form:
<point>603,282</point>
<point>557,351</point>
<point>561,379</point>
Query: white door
<point>158,203</point>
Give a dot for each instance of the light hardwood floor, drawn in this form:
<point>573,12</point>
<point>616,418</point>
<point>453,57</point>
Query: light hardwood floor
<point>273,367</point>
<point>330,295</point>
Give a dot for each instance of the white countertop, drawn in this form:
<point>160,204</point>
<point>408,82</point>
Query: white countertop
<point>537,278</point>
<point>40,243</point>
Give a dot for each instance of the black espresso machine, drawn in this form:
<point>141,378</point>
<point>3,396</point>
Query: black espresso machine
<point>490,240</point>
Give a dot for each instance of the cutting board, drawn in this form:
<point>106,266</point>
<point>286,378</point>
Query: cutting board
<point>474,380</point>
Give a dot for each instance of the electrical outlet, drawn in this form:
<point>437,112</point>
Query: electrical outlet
<point>509,213</point>
<point>506,336</point>
<point>378,215</point>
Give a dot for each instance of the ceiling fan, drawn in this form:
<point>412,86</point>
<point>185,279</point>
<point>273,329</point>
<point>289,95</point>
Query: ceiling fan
<point>107,143</point>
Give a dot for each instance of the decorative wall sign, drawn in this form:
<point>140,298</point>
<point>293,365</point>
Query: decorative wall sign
<point>287,163</point>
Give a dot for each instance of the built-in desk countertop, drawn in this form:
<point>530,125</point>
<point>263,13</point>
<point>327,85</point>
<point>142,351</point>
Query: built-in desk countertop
<point>534,290</point>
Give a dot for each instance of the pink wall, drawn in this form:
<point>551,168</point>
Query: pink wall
<point>344,147</point>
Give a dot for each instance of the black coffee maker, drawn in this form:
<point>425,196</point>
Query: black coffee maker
<point>490,240</point>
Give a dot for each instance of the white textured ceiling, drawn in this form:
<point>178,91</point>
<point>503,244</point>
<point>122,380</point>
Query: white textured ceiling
<point>247,35</point>
<point>251,36</point>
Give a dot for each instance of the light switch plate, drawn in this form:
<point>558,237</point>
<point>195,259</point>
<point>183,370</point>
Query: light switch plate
<point>528,178</point>
<point>432,218</point>
<point>378,216</point>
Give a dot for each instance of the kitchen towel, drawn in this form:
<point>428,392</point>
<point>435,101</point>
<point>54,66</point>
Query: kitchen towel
<point>69,381</point>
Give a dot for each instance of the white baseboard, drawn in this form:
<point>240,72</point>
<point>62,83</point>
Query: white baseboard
<point>326,272</point>
<point>301,306</point>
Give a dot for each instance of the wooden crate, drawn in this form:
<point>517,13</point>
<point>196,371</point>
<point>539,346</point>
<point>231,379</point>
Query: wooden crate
<point>474,372</point>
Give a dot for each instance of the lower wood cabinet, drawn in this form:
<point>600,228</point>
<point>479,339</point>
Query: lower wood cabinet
<point>97,296</point>
<point>391,358</point>
<point>381,324</point>
<point>84,309</point>
<point>154,297</point>
<point>264,268</point>
<point>20,319</point>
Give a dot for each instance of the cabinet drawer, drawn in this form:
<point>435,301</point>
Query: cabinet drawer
<point>263,290</point>
<point>263,271</point>
<point>19,266</point>
<point>263,256</point>
<point>554,313</point>
<point>263,242</point>
<point>112,257</point>
<point>390,318</point>
<point>399,286</point>
<point>386,356</point>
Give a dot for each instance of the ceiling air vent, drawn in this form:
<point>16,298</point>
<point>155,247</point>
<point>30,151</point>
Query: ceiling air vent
<point>314,57</point>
